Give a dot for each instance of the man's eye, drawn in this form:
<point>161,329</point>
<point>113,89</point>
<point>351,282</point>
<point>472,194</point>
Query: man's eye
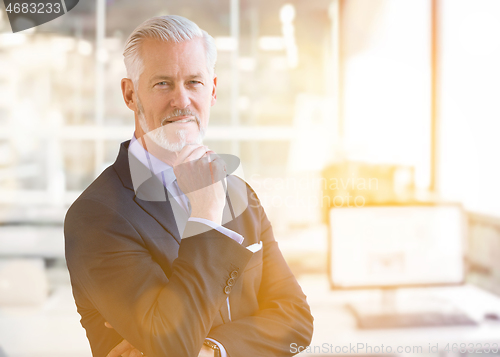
<point>162,83</point>
<point>195,82</point>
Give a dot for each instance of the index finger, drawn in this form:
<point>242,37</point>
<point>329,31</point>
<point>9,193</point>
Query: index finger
<point>210,155</point>
<point>186,151</point>
<point>120,349</point>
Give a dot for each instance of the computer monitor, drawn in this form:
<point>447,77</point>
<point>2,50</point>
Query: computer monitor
<point>396,246</point>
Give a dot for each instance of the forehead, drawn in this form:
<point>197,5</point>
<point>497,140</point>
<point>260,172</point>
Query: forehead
<point>172,57</point>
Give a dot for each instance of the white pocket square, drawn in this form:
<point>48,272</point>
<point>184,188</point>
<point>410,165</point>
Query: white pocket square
<point>255,247</point>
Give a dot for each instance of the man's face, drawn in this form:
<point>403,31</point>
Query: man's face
<point>175,93</point>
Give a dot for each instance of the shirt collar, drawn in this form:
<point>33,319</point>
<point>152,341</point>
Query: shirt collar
<point>155,165</point>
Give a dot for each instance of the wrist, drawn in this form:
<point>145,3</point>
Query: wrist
<point>213,347</point>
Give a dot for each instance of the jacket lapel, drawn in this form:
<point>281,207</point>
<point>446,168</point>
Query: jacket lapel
<point>161,211</point>
<point>150,194</point>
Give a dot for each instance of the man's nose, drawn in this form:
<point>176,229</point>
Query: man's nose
<point>180,97</point>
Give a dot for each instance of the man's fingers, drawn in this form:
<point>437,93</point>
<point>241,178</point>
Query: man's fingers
<point>210,154</point>
<point>185,152</point>
<point>120,349</point>
<point>135,353</point>
<point>203,173</point>
<point>196,154</point>
<point>218,169</point>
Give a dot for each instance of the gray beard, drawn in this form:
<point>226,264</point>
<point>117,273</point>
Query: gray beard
<point>158,135</point>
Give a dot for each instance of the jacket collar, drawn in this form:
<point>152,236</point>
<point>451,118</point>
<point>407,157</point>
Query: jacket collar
<point>150,194</point>
<point>121,166</point>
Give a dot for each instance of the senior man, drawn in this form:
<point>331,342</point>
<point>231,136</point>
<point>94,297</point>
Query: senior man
<point>163,259</point>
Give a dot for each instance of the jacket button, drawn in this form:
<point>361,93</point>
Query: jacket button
<point>234,274</point>
<point>227,290</point>
<point>230,282</point>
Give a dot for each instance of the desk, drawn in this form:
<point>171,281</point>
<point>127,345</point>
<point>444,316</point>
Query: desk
<point>334,324</point>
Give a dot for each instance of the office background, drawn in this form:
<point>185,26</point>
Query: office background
<point>396,100</point>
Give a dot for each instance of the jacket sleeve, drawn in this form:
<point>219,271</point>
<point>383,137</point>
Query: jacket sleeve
<point>110,264</point>
<point>283,317</point>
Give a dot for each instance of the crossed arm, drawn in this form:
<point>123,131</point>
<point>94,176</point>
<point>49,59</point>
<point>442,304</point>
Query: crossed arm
<point>125,349</point>
<point>111,266</point>
<point>114,271</point>
<point>283,316</point>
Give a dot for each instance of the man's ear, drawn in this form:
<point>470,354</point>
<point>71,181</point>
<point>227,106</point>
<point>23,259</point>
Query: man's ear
<point>128,92</point>
<point>214,90</point>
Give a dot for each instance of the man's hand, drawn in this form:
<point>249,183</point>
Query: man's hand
<point>125,349</point>
<point>200,174</point>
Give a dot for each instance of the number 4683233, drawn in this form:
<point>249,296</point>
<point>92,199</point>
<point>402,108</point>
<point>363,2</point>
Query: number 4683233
<point>34,8</point>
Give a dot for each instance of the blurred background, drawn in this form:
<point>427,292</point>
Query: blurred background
<point>369,129</point>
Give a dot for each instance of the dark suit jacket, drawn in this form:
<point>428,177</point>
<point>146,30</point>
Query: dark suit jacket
<point>129,266</point>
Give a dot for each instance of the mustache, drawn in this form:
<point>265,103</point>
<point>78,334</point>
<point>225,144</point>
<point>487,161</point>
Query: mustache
<point>179,113</point>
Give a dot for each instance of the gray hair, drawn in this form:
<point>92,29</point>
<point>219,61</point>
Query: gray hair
<point>166,28</point>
